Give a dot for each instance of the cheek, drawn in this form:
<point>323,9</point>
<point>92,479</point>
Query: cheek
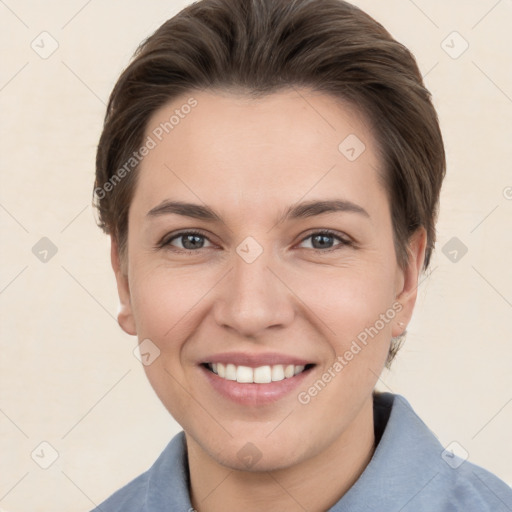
<point>166,304</point>
<point>163,300</point>
<point>348,300</point>
<point>356,309</point>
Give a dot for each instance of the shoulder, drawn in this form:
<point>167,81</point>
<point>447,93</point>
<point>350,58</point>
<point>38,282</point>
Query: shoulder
<point>472,488</point>
<point>411,471</point>
<point>446,482</point>
<point>164,486</point>
<point>130,498</point>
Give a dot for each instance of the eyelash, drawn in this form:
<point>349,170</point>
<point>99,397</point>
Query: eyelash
<point>166,242</point>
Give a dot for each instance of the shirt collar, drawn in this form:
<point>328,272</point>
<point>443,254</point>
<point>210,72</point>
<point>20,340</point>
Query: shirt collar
<point>405,461</point>
<point>169,479</point>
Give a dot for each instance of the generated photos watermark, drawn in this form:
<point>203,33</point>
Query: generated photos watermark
<point>357,345</point>
<point>149,144</point>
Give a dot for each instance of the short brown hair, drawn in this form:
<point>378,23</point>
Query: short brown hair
<point>260,47</point>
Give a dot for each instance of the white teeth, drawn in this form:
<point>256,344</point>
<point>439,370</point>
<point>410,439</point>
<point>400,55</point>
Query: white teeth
<point>298,369</point>
<point>259,375</point>
<point>289,371</point>
<point>230,372</point>
<point>262,374</point>
<point>277,372</point>
<point>244,374</point>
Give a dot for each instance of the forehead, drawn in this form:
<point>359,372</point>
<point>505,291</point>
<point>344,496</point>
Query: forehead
<point>233,149</point>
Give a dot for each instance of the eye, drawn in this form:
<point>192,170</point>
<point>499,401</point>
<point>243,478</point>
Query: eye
<point>323,241</point>
<point>186,240</point>
<point>192,241</point>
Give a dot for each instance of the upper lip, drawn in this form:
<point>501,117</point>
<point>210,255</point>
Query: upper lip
<point>256,360</point>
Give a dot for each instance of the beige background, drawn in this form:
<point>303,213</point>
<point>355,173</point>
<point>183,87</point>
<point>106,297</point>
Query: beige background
<point>68,374</point>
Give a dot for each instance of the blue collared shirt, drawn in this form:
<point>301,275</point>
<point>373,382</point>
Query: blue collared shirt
<point>410,471</point>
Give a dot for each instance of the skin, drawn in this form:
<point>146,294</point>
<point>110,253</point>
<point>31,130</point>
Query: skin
<point>249,160</point>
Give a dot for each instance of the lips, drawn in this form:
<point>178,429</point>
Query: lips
<point>254,379</point>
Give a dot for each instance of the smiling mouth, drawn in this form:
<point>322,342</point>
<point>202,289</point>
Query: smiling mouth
<point>260,375</point>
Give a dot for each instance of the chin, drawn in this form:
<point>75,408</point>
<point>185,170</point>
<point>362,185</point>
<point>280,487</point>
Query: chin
<point>257,453</point>
<point>258,464</point>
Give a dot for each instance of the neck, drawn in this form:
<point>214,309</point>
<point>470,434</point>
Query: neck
<point>314,484</point>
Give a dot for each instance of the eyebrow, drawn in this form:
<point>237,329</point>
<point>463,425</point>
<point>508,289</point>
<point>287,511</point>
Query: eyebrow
<point>298,211</point>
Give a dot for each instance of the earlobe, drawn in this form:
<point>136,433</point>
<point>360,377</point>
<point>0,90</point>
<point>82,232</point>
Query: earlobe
<point>406,296</point>
<point>124,314</point>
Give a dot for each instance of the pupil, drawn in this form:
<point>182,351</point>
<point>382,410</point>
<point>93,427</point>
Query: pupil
<point>192,241</point>
<point>324,241</point>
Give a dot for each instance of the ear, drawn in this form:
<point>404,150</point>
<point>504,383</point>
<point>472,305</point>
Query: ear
<point>124,314</point>
<point>408,283</point>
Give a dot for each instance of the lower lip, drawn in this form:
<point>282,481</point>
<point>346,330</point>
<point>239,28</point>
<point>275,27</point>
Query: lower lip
<point>252,393</point>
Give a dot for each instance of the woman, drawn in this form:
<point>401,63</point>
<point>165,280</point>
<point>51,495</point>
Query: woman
<point>269,173</point>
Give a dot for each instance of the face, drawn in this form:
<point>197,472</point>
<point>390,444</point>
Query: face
<point>260,247</point>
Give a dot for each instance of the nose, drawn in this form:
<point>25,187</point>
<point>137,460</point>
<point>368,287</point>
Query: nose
<point>254,297</point>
